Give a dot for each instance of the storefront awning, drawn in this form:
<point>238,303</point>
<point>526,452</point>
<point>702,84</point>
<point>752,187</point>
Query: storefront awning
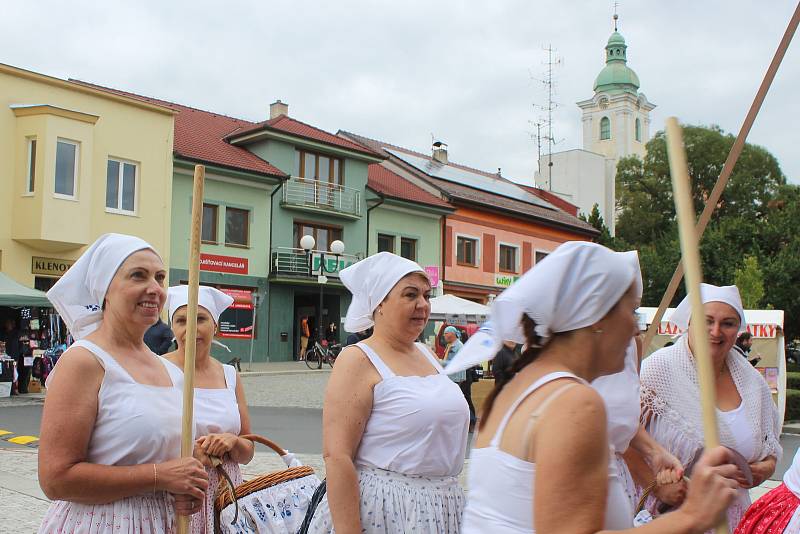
<point>14,294</point>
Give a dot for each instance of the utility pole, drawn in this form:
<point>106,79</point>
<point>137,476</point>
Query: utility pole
<point>549,83</point>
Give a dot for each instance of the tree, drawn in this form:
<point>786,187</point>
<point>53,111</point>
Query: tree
<point>596,220</point>
<point>750,281</point>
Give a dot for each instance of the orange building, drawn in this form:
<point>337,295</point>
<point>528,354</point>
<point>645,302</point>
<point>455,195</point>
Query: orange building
<point>499,229</point>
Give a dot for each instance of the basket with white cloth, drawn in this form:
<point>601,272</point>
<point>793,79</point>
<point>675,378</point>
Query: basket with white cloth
<point>273,503</point>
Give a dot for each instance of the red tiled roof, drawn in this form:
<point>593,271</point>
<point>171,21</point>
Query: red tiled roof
<point>553,199</point>
<point>453,190</point>
<point>200,136</point>
<point>385,182</point>
<point>292,126</point>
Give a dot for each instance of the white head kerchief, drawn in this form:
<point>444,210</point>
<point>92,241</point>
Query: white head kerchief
<point>78,296</point>
<point>370,280</point>
<point>210,298</point>
<point>709,293</point>
<point>574,287</point>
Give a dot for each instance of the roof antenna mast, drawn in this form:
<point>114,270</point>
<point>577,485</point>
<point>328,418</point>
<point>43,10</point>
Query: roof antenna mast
<point>616,17</point>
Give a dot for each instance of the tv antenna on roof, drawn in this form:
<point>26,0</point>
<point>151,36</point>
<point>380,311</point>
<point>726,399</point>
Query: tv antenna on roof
<point>549,81</point>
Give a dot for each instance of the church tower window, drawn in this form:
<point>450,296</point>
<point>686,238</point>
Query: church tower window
<point>639,130</point>
<point>605,128</point>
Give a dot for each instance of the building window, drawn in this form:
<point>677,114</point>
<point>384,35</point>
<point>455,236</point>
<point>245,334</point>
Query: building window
<point>638,130</point>
<point>466,251</point>
<point>385,243</point>
<point>508,258</point>
<point>66,168</point>
<point>323,235</point>
<point>31,174</point>
<point>121,186</point>
<point>209,233</point>
<point>237,227</point>
<point>408,248</point>
<point>605,128</point>
<point>313,166</point>
<point>539,256</point>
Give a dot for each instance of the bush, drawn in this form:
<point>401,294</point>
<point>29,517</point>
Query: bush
<point>792,405</point>
<point>792,367</point>
<point>793,380</point>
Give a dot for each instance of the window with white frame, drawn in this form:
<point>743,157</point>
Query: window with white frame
<point>408,248</point>
<point>67,153</point>
<point>508,258</point>
<point>466,251</point>
<point>121,185</point>
<point>30,175</point>
<point>540,255</point>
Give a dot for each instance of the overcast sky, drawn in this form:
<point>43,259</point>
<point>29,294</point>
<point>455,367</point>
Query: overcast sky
<point>403,70</point>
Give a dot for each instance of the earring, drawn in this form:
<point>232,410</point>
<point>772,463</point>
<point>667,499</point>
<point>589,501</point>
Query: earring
<point>598,330</point>
<point>380,310</point>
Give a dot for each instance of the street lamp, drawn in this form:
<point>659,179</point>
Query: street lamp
<point>307,243</point>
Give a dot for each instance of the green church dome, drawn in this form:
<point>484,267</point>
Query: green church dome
<point>616,76</point>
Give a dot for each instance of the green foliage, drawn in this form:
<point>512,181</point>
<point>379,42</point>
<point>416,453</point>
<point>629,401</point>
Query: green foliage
<point>750,281</point>
<point>756,218</point>
<point>792,405</point>
<point>596,220</point>
<point>793,380</point>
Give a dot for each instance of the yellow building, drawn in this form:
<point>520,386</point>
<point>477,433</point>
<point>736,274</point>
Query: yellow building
<point>76,163</point>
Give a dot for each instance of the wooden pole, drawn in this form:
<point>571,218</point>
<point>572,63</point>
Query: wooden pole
<point>691,262</point>
<point>727,169</point>
<point>187,442</point>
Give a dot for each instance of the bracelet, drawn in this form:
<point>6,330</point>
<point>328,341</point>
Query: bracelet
<point>155,477</point>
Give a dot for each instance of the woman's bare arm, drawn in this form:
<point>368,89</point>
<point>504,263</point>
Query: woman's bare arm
<point>244,449</point>
<point>347,407</point>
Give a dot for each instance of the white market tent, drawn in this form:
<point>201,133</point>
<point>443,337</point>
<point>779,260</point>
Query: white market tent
<point>449,305</point>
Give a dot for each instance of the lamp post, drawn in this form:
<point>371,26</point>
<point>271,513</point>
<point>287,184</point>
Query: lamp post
<point>307,243</point>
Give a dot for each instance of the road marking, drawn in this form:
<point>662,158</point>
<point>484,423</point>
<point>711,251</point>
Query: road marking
<point>4,432</point>
<point>23,440</point>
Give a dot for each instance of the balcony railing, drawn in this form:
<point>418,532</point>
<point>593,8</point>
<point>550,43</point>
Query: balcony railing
<point>327,196</point>
<point>294,262</point>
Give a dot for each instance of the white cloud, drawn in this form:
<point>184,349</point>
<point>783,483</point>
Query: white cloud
<point>400,71</point>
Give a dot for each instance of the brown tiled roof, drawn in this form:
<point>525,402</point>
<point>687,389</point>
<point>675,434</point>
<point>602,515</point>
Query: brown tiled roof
<point>292,126</point>
<point>200,136</point>
<point>385,182</point>
<point>553,199</point>
<point>469,194</point>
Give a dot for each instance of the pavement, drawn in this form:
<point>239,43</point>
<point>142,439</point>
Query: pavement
<point>285,404</point>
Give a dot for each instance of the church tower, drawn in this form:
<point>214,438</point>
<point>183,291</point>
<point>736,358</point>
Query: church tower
<point>616,120</point>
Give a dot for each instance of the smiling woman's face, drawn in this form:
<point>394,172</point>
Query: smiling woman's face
<point>136,293</point>
<point>723,323</point>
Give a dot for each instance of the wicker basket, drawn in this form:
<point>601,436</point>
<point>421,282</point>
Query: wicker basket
<point>227,495</point>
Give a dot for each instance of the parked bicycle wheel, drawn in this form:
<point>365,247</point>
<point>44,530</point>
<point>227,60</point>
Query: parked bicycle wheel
<point>313,360</point>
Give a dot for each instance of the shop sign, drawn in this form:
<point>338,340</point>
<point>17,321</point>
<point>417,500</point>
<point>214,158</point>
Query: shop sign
<point>760,331</point>
<point>223,264</point>
<point>433,274</point>
<point>332,267</point>
<point>237,320</point>
<point>505,280</point>
<point>50,266</point>
<point>459,319</point>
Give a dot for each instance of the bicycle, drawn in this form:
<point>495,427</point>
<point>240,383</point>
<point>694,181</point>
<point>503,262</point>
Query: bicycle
<point>322,353</point>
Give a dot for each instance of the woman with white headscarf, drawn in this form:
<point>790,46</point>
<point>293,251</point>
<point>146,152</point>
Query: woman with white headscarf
<point>747,416</point>
<point>220,407</point>
<point>540,461</point>
<point>394,426</point>
<point>109,454</point>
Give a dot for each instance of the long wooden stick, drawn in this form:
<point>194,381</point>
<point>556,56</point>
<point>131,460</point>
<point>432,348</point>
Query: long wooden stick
<point>191,324</point>
<point>727,169</point>
<point>694,276</point>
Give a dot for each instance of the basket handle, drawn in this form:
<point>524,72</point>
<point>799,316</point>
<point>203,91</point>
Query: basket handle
<point>264,441</point>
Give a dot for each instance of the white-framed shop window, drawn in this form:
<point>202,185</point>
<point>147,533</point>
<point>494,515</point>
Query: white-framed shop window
<point>508,255</point>
<point>66,178</point>
<point>30,171</point>
<point>468,250</point>
<point>122,185</point>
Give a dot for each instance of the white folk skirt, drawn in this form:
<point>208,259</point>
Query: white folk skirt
<point>140,514</point>
<point>394,503</point>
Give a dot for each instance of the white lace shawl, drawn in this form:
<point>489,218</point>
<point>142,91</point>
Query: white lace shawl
<point>670,397</point>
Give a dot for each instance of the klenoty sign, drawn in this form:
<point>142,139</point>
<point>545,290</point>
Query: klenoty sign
<point>50,266</point>
<point>505,280</point>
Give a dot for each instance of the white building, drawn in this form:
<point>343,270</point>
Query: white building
<point>616,123</point>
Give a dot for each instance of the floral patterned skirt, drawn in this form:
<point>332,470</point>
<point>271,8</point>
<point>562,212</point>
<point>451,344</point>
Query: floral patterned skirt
<point>140,514</point>
<point>776,512</point>
<point>203,521</point>
<point>394,503</point>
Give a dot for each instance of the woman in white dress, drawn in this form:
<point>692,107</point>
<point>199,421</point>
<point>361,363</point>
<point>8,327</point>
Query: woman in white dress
<point>220,407</point>
<point>111,426</point>
<point>747,416</point>
<point>394,425</point>
<point>541,457</point>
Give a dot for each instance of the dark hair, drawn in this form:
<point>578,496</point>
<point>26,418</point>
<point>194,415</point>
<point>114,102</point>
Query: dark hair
<point>529,355</point>
<point>744,335</point>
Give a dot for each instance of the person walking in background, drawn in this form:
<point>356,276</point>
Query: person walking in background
<point>332,333</point>
<point>744,344</point>
<point>463,378</point>
<point>158,337</point>
<point>305,333</point>
<point>16,350</point>
<point>501,365</point>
